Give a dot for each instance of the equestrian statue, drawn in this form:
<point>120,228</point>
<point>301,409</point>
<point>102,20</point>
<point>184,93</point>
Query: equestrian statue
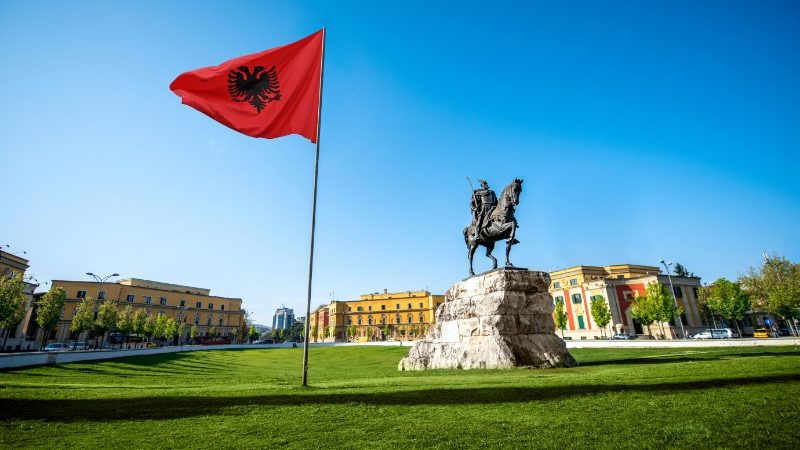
<point>492,220</point>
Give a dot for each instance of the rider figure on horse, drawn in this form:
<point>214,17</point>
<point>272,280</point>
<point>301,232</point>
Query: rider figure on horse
<point>483,202</point>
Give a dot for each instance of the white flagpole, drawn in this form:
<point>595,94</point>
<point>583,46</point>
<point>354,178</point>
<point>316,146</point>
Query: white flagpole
<point>313,218</point>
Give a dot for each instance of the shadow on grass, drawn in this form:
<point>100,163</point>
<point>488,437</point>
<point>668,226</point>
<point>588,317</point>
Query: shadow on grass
<point>177,407</point>
<point>699,357</point>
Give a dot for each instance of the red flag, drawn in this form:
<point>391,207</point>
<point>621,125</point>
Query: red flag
<point>269,94</point>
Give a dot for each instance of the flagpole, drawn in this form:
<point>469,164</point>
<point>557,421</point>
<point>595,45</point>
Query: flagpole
<point>313,217</point>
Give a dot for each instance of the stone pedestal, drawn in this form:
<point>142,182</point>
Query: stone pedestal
<point>497,320</point>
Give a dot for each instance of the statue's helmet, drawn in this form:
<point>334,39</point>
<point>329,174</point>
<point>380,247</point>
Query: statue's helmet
<point>483,183</point>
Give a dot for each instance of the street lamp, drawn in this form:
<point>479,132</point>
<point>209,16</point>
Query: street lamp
<point>674,299</point>
<point>101,280</point>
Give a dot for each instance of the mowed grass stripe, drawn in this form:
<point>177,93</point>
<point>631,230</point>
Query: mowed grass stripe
<point>617,397</point>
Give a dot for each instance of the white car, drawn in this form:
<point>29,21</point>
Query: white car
<point>716,333</point>
<point>56,347</point>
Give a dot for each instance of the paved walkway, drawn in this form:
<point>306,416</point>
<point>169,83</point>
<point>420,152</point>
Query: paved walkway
<point>16,360</point>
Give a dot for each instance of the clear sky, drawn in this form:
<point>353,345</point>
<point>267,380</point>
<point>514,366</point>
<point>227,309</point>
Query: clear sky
<point>643,131</point>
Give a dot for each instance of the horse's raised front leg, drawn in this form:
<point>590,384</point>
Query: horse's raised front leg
<point>489,249</point>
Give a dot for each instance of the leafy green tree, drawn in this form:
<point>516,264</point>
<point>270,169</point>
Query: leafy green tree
<point>386,331</point>
<point>213,332</point>
<point>252,333</point>
<point>560,317</point>
<point>402,331</point>
<point>681,271</point>
<point>351,331</point>
<point>182,332</point>
<point>139,321</point>
<point>48,310</point>
<point>193,333</point>
<point>83,320</point>
<point>775,287</point>
<point>655,306</point>
<point>106,320</point>
<point>12,303</point>
<point>149,329</point>
<point>170,330</point>
<point>314,332</point>
<point>160,326</point>
<point>331,331</point>
<point>125,322</point>
<point>235,335</point>
<point>643,310</point>
<point>729,300</point>
<point>600,312</point>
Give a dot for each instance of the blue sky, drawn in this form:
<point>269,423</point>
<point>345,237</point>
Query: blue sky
<point>643,130</point>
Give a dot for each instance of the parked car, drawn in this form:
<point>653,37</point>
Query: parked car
<point>761,333</point>
<point>623,336</point>
<point>716,333</point>
<point>784,331</point>
<point>56,347</point>
<point>78,346</point>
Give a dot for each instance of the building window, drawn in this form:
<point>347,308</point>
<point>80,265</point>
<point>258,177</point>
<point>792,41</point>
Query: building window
<point>383,307</point>
<point>197,319</point>
<point>410,319</point>
<point>220,320</point>
<point>576,299</point>
<point>559,299</point>
<point>359,308</point>
<point>198,305</point>
<point>369,308</point>
<point>222,307</point>
<point>421,318</point>
<point>131,297</point>
<point>369,320</point>
<point>208,322</point>
<point>210,306</point>
<point>162,301</point>
<point>580,322</point>
<point>678,291</point>
<point>349,320</point>
<point>383,319</point>
<point>349,309</point>
<point>183,303</point>
<point>420,305</point>
<point>148,299</point>
<point>556,285</point>
<point>573,282</point>
<point>397,318</point>
<point>101,295</point>
<point>409,306</point>
<point>397,306</point>
<point>359,321</point>
<point>81,294</point>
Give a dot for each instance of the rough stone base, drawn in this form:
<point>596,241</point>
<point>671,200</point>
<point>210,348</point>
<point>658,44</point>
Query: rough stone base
<point>500,319</point>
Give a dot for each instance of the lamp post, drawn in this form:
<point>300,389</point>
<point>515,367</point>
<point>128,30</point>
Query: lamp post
<point>674,299</point>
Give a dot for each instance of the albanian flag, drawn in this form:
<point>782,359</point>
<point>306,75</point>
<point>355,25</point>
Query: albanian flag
<point>269,94</point>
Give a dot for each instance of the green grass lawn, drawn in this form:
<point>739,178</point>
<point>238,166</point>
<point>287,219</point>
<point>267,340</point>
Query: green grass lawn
<point>632,398</point>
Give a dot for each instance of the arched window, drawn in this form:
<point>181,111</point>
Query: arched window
<point>369,320</point>
<point>397,318</point>
<point>383,319</point>
<point>421,318</point>
<point>349,320</point>
<point>359,320</point>
<point>410,320</point>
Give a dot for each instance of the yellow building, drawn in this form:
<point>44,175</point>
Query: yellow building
<point>618,286</point>
<point>187,304</point>
<point>12,265</point>
<point>404,315</point>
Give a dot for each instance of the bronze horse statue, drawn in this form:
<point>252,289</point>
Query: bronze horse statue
<point>501,225</point>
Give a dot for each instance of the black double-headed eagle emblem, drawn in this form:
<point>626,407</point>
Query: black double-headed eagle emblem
<point>257,88</point>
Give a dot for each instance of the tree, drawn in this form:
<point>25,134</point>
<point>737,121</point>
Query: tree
<point>213,332</point>
<point>235,334</point>
<point>149,328</point>
<point>656,305</point>
<point>48,310</point>
<point>12,303</point>
<point>125,322</point>
<point>139,320</point>
<point>351,331</point>
<point>170,330</point>
<point>681,271</point>
<point>402,331</point>
<point>252,333</point>
<point>386,331</point>
<point>106,319</point>
<point>600,312</point>
<point>775,287</point>
<point>193,333</point>
<point>83,319</point>
<point>314,332</point>
<point>729,301</point>
<point>160,327</point>
<point>331,331</point>
<point>182,332</point>
<point>560,317</point>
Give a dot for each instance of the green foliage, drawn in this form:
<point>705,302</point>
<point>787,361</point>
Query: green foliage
<point>160,326</point>
<point>655,306</point>
<point>83,319</point>
<point>600,312</point>
<point>560,317</point>
<point>213,332</point>
<point>351,331</point>
<point>775,287</point>
<point>125,320</point>
<point>193,332</point>
<point>48,310</point>
<point>12,301</point>
<point>170,329</point>
<point>182,331</point>
<point>106,318</point>
<point>252,333</point>
<point>314,332</point>
<point>402,331</point>
<point>138,322</point>
<point>681,271</point>
<point>149,328</point>
<point>729,300</point>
